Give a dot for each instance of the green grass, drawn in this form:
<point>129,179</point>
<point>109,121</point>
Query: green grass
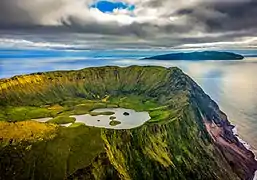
<point>62,112</point>
<point>175,150</point>
<point>112,117</point>
<point>107,113</point>
<point>159,115</point>
<point>2,116</point>
<point>138,103</point>
<point>26,131</point>
<point>79,153</point>
<point>114,123</point>
<point>25,113</point>
<point>71,149</point>
<point>62,120</point>
<point>112,106</point>
<point>71,102</point>
<point>74,125</point>
<point>22,113</point>
<point>99,105</point>
<point>85,108</point>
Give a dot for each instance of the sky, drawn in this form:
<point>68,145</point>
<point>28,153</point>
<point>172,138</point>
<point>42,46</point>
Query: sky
<point>121,24</point>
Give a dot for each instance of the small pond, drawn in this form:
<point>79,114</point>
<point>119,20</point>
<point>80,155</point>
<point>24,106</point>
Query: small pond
<point>125,118</point>
<point>121,119</point>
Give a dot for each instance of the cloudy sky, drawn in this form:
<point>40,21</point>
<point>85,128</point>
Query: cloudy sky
<point>91,24</point>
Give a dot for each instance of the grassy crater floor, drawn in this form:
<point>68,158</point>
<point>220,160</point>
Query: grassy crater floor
<point>66,145</point>
<point>62,147</point>
<point>61,112</point>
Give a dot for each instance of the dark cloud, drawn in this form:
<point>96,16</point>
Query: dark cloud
<point>12,15</point>
<point>223,16</point>
<point>214,20</point>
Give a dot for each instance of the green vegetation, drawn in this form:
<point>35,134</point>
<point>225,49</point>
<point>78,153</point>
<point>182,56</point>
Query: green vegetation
<point>112,117</point>
<point>62,120</point>
<point>74,125</point>
<point>107,113</point>
<point>26,131</point>
<point>174,144</point>
<point>62,112</point>
<point>114,123</point>
<point>159,115</point>
<point>24,113</point>
<point>138,103</point>
<point>55,158</point>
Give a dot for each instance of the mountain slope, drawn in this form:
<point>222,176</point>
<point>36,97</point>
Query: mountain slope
<point>194,140</point>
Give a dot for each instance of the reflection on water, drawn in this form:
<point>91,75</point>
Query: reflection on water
<point>131,120</point>
<point>126,118</point>
<point>235,90</point>
<point>231,84</point>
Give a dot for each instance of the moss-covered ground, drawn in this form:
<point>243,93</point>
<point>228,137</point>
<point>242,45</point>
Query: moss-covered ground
<point>62,120</point>
<point>65,147</point>
<point>114,122</point>
<point>172,145</point>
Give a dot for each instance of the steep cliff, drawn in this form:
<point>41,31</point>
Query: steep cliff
<point>188,136</point>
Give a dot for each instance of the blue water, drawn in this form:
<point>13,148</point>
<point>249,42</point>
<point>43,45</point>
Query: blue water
<point>23,61</point>
<point>232,84</point>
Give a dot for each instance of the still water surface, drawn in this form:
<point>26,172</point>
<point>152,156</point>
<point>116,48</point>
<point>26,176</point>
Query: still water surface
<point>131,119</point>
<point>134,119</point>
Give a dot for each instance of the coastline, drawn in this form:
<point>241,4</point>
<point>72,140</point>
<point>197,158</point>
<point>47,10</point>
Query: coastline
<point>255,176</point>
<point>246,145</point>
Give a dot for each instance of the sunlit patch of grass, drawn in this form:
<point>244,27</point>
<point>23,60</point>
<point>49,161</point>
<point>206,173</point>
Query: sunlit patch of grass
<point>74,125</point>
<point>62,120</point>
<point>159,115</point>
<point>107,113</point>
<point>137,103</point>
<point>105,99</point>
<point>112,118</point>
<point>20,80</point>
<point>114,123</point>
<point>26,131</point>
<point>55,107</point>
<point>112,106</point>
<point>25,113</point>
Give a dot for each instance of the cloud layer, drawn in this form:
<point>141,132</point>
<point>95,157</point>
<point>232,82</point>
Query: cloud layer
<point>162,23</point>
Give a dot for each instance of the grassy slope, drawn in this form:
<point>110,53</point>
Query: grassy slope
<point>62,120</point>
<point>71,149</point>
<point>162,152</point>
<point>173,145</point>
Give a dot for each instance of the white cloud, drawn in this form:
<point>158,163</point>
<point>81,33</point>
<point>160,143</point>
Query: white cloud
<point>246,42</point>
<point>161,23</point>
<point>25,43</point>
<point>56,12</point>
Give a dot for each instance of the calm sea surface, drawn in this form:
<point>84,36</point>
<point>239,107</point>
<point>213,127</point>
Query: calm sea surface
<point>232,84</point>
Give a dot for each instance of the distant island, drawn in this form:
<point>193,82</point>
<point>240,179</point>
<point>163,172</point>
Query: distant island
<point>194,56</point>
